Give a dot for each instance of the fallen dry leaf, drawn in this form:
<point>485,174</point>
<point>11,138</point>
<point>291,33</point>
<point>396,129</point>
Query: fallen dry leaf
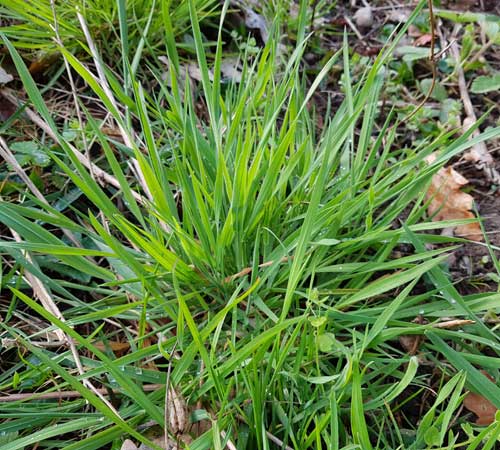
<point>448,202</point>
<point>4,76</point>
<point>177,412</point>
<point>411,342</point>
<point>399,15</point>
<point>119,348</point>
<point>231,69</point>
<point>256,21</point>
<point>480,406</point>
<point>128,445</point>
<point>423,40</point>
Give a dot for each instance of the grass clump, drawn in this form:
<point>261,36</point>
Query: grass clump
<point>246,258</point>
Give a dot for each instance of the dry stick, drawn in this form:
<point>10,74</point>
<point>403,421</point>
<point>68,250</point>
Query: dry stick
<point>99,173</point>
<point>126,136</point>
<point>43,295</point>
<point>479,152</point>
<point>40,291</point>
<point>277,441</point>
<point>229,443</point>
<point>72,85</point>
<point>68,394</point>
<point>107,90</point>
<point>247,270</point>
<point>453,323</point>
<point>353,28</point>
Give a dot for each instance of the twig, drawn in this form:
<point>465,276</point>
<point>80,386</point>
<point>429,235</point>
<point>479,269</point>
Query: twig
<point>453,323</point>
<point>229,443</point>
<point>43,295</point>
<point>353,28</point>
<point>68,394</point>
<point>59,42</point>
<point>247,270</point>
<point>107,90</point>
<point>479,152</point>
<point>277,441</point>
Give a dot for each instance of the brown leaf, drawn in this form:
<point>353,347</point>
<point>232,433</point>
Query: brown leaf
<point>423,40</point>
<point>4,76</point>
<point>177,412</point>
<point>480,406</point>
<point>128,445</point>
<point>41,64</point>
<point>411,342</point>
<point>448,202</point>
<point>119,348</point>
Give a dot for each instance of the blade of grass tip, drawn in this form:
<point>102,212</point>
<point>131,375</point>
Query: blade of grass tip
<point>346,158</point>
<point>449,292</point>
<point>429,420</point>
<point>390,282</point>
<point>218,56</point>
<point>478,441</point>
<point>394,391</point>
<point>140,46</point>
<point>358,424</point>
<point>29,84</point>
<point>172,55</point>
<point>388,312</point>
<point>302,23</point>
<point>334,422</point>
<point>203,66</point>
<point>494,437</point>
<point>475,378</point>
<point>122,22</point>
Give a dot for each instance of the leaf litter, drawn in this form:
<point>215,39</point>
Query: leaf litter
<point>448,202</point>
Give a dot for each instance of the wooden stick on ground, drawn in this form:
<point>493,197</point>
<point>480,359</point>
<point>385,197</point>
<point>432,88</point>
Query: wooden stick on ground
<point>479,152</point>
